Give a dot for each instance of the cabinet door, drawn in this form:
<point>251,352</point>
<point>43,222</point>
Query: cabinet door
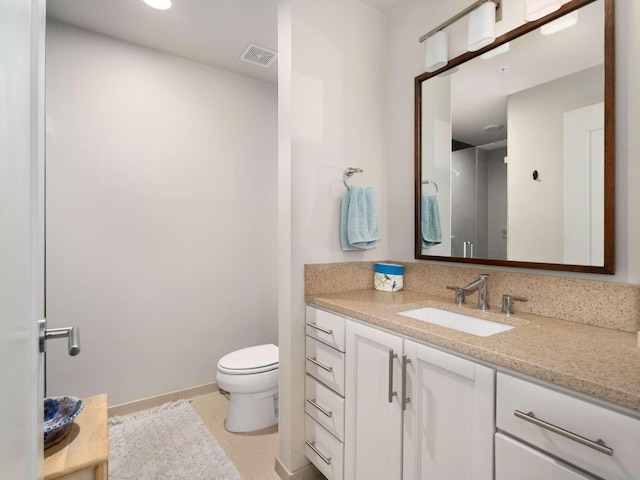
<point>449,421</point>
<point>373,416</point>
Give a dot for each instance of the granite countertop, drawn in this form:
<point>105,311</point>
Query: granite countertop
<point>595,361</point>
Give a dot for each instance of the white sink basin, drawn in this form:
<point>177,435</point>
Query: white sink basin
<point>463,323</point>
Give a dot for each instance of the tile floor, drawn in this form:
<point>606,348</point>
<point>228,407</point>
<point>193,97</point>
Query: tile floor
<point>253,454</point>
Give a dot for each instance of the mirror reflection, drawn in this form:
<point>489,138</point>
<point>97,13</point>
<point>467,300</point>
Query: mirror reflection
<point>513,142</point>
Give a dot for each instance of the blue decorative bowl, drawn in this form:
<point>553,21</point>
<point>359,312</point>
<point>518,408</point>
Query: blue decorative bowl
<point>59,413</point>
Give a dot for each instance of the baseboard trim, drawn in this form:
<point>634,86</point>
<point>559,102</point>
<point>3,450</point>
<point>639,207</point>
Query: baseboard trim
<point>156,401</point>
<point>308,472</point>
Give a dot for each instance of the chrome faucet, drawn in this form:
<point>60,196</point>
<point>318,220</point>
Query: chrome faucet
<point>481,285</point>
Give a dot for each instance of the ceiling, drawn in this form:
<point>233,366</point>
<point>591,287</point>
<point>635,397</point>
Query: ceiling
<point>213,32</point>
<point>216,33</point>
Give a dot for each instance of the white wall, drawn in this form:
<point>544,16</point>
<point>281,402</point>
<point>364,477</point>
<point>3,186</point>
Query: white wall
<point>332,87</point>
<point>417,17</point>
<point>437,157</point>
<point>161,216</point>
<point>535,125</point>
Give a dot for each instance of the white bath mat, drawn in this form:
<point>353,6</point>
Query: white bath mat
<point>166,443</point>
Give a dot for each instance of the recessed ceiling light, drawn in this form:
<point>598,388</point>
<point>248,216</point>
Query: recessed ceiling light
<point>493,127</point>
<point>159,4</point>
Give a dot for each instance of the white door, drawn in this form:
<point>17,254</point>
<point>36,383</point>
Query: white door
<point>583,188</point>
<point>449,422</point>
<point>21,236</point>
<point>373,411</point>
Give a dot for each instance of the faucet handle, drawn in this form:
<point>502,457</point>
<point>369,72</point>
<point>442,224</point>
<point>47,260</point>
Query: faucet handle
<point>507,303</point>
<point>459,294</point>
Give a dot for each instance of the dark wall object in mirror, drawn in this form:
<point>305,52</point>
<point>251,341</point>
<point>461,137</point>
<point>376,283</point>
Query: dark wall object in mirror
<point>541,121</point>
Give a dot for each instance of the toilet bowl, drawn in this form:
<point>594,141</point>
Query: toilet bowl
<point>250,375</point>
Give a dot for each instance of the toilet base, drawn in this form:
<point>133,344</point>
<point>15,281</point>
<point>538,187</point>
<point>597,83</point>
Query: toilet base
<point>254,411</point>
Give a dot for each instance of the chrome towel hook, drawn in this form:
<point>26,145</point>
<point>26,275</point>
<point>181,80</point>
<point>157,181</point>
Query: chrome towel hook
<point>348,172</point>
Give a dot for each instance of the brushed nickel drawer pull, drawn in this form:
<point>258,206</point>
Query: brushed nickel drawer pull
<point>405,361</point>
<point>312,401</point>
<point>322,329</point>
<point>598,445</point>
<point>391,392</point>
<point>312,446</point>
<point>322,366</point>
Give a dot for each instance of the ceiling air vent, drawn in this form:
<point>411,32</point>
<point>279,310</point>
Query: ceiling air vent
<point>258,55</point>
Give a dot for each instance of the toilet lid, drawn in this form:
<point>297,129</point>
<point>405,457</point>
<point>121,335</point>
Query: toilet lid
<point>261,358</point>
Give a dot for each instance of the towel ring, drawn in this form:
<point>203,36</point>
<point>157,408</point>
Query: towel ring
<point>347,174</point>
<point>433,183</point>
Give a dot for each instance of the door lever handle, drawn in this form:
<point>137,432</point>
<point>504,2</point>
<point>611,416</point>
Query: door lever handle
<point>72,333</point>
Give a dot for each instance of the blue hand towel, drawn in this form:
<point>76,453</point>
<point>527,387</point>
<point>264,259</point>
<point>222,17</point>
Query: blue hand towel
<point>431,231</point>
<point>359,228</point>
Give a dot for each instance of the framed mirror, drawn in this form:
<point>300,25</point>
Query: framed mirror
<point>514,148</point>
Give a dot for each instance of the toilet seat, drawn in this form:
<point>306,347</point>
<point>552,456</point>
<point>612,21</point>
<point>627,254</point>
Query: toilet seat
<point>249,361</point>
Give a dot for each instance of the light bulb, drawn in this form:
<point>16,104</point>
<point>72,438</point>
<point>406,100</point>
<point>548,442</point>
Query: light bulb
<point>159,4</point>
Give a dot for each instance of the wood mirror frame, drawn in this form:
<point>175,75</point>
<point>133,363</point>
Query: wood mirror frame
<point>609,145</point>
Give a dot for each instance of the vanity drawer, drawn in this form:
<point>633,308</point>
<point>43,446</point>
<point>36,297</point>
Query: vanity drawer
<point>323,449</point>
<point>326,327</point>
<point>516,460</point>
<point>621,433</point>
<point>325,364</point>
<point>325,406</point>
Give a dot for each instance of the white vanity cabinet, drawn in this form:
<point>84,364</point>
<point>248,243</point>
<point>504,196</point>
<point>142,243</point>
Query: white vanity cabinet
<point>415,412</point>
<point>324,392</point>
<point>449,420</point>
<point>565,432</point>
<point>384,407</point>
<point>373,429</point>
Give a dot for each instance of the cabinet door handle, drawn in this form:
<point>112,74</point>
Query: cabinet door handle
<point>391,392</point>
<point>405,361</point>
<point>322,366</point>
<point>598,445</point>
<point>312,401</point>
<point>322,329</point>
<point>312,446</point>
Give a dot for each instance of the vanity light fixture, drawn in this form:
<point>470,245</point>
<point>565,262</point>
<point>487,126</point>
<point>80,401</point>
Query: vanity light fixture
<point>535,9</point>
<point>159,4</point>
<point>481,26</point>
<point>562,23</point>
<point>436,51</point>
<point>481,29</point>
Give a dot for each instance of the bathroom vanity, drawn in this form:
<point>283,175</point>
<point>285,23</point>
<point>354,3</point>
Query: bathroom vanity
<point>390,397</point>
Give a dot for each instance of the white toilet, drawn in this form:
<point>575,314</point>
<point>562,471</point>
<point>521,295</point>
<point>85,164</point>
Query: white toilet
<point>250,375</point>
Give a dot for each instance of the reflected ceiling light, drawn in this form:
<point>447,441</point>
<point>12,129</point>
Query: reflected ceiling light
<point>436,51</point>
<point>159,4</point>
<point>504,48</point>
<point>481,26</point>
<point>449,72</point>
<point>566,21</point>
<point>535,9</point>
<point>492,127</point>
